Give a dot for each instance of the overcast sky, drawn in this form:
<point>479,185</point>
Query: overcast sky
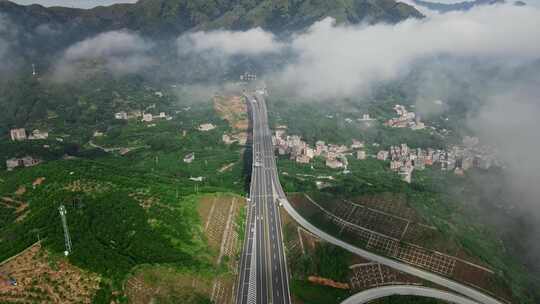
<point>94,3</point>
<point>73,3</point>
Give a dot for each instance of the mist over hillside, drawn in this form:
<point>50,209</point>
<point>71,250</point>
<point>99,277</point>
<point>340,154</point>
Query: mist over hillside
<point>76,4</point>
<point>457,6</point>
<point>48,29</point>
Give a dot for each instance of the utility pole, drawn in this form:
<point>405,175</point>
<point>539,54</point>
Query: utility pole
<point>67,239</point>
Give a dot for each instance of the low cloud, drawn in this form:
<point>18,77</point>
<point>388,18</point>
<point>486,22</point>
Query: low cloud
<point>8,39</point>
<point>121,52</point>
<point>71,3</point>
<point>252,42</point>
<point>217,55</point>
<point>109,44</point>
<point>344,60</point>
<point>509,121</point>
<point>47,29</point>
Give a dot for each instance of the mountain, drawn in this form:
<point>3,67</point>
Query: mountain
<point>172,17</point>
<point>38,35</point>
<point>460,6</point>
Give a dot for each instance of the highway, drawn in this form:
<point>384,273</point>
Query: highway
<point>369,295</point>
<point>263,267</point>
<point>271,267</point>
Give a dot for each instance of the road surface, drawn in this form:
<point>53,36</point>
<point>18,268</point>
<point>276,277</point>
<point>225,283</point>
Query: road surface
<point>263,257</point>
<point>369,295</point>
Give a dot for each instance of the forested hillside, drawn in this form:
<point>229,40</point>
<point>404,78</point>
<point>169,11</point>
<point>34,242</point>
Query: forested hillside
<point>38,35</point>
<point>53,28</point>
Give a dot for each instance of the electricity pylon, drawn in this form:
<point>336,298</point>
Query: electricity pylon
<point>67,239</point>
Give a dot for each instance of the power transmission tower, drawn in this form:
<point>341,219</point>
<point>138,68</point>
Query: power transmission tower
<point>67,239</point>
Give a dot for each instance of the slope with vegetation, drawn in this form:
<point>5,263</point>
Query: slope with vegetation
<point>48,31</point>
<point>126,208</point>
<point>173,17</point>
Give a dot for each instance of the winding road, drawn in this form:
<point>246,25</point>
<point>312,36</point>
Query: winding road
<point>406,290</point>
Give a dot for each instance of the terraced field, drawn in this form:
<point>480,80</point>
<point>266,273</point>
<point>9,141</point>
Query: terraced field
<point>385,232</point>
<point>41,278</point>
<point>218,214</point>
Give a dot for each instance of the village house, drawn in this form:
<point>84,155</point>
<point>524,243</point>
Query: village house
<point>227,139</point>
<point>450,163</point>
<point>418,125</point>
<point>470,142</point>
<point>189,158</point>
<point>485,163</point>
<point>12,163</point>
<point>241,138</point>
<point>26,161</point>
<point>361,155</point>
<point>280,133</point>
<point>146,117</point>
<point>382,155</point>
<point>282,149</point>
<point>459,171</point>
<point>365,117</point>
<point>135,114</point>
<point>37,134</point>
<point>395,165</point>
<point>248,77</point>
<point>18,134</point>
<point>343,160</point>
<point>338,148</point>
<point>320,148</point>
<point>321,185</point>
<point>356,144</point>
<point>309,152</point>
<point>206,127</point>
<point>121,115</point>
<point>406,174</point>
<point>302,159</point>
<point>331,155</point>
<point>419,163</point>
<point>406,119</point>
<point>334,163</point>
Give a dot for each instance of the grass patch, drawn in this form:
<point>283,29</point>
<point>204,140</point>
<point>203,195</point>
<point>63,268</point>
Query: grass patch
<point>309,293</point>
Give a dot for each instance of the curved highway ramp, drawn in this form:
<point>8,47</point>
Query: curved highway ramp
<point>371,294</point>
<point>270,266</point>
